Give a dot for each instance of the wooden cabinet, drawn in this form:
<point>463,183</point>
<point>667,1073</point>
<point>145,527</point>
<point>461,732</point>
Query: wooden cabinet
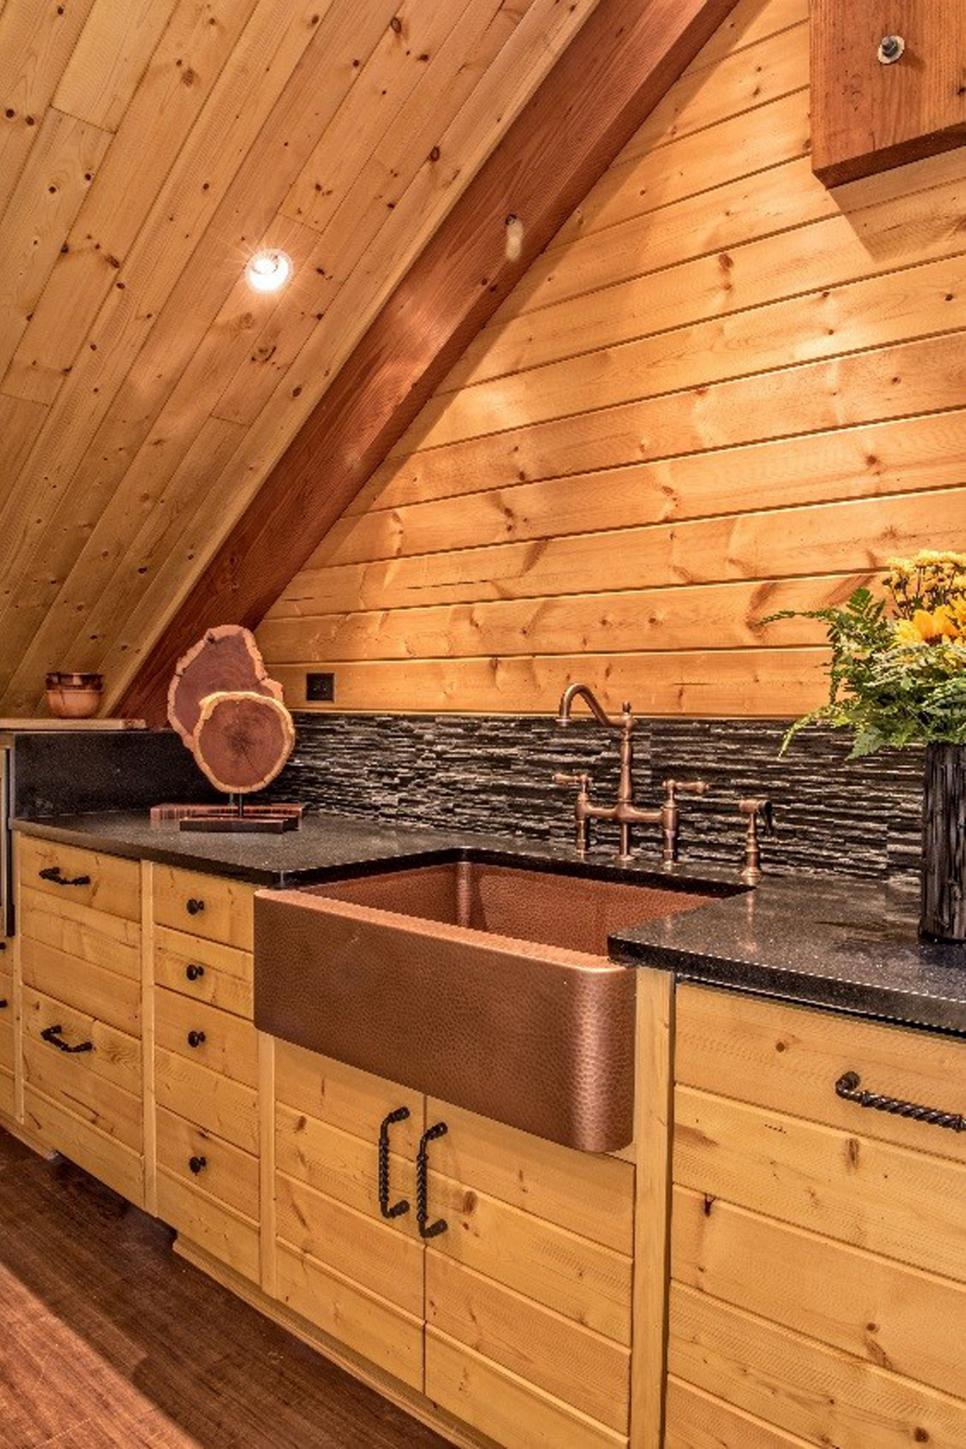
<point>818,1265</point>
<point>80,973</point>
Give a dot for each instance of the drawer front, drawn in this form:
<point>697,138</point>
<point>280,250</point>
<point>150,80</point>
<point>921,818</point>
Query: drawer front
<point>204,905</point>
<point>212,1038</point>
<point>202,1160</point>
<point>581,1368</point>
<point>93,937</point>
<point>212,1101</point>
<point>101,1084</point>
<point>348,1313</point>
<point>588,1194</point>
<point>6,1022</point>
<point>7,1093</point>
<point>353,1101</point>
<point>81,877</point>
<point>698,1421</point>
<point>504,1408</point>
<point>789,1059</point>
<point>225,1234</point>
<point>204,970</point>
<point>103,1156</point>
<point>106,995</point>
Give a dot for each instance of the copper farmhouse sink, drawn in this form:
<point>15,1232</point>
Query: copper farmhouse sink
<point>486,985</point>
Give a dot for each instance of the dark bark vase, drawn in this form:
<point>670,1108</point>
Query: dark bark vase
<point>944,844</point>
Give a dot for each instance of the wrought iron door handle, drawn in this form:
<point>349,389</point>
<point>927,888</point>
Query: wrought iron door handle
<point>402,1206</point>
<point>54,1034</point>
<point>426,1228</point>
<point>849,1088</point>
<point>54,873</point>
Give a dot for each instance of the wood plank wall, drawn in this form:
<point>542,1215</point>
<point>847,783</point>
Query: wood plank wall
<point>722,391</point>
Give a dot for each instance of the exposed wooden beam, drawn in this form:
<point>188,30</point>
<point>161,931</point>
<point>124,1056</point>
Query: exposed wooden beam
<point>611,76</point>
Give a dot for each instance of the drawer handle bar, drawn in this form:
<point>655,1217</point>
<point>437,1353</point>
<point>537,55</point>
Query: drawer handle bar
<point>402,1206</point>
<point>54,873</point>
<point>197,1164</point>
<point>849,1088</point>
<point>426,1228</point>
<point>54,1034</point>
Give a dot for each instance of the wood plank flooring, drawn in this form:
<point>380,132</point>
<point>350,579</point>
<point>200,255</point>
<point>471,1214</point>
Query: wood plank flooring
<point>108,1341</point>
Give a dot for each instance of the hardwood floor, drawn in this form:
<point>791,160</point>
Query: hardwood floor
<point>108,1341</point>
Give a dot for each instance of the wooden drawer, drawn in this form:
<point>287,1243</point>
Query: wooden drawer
<point>348,1313</point>
<point>6,1022</point>
<point>212,1038</point>
<point>210,1100</point>
<point>581,1368</point>
<point>103,1156</point>
<point>343,1097</point>
<point>102,1084</point>
<point>105,994</point>
<point>227,1173</point>
<point>82,877</point>
<point>789,1058</point>
<point>112,943</point>
<point>590,1195</point>
<point>356,1245</point>
<point>7,1094</point>
<point>204,905</point>
<point>504,1407</point>
<point>228,1236</point>
<point>204,970</point>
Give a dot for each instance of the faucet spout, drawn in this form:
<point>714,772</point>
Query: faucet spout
<point>584,692</point>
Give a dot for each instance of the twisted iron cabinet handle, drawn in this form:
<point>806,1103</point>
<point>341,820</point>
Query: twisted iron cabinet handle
<point>426,1228</point>
<point>54,1034</point>
<point>402,1206</point>
<point>849,1088</point>
<point>54,873</point>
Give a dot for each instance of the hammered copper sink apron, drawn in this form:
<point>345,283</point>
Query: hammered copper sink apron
<point>487,986</point>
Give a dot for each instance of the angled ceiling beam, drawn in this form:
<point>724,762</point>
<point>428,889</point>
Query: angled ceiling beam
<point>608,80</point>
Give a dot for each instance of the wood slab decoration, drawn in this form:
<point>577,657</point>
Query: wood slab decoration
<point>242,740</point>
<point>225,658</point>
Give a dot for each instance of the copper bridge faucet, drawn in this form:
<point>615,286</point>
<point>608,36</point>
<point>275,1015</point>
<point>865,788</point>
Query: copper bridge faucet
<point>624,811</point>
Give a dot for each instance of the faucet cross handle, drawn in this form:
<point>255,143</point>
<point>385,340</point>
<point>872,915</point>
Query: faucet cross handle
<point>757,810</point>
<point>685,787</point>
<point>579,778</point>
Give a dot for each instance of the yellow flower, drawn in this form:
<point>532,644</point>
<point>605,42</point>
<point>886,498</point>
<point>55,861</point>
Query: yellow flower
<point>907,635</point>
<point>936,625</point>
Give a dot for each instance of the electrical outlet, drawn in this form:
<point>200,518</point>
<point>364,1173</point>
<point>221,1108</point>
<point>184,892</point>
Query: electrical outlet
<point>320,688</point>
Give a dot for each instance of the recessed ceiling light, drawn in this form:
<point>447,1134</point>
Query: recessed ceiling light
<point>269,271</point>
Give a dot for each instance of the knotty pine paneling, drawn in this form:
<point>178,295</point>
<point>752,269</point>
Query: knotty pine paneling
<point>721,391</point>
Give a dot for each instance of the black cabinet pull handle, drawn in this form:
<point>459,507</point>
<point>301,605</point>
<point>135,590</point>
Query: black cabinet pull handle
<point>426,1228</point>
<point>193,972</point>
<point>197,1164</point>
<point>4,1003</point>
<point>196,1038</point>
<point>194,906</point>
<point>849,1088</point>
<point>402,1206</point>
<point>54,873</point>
<point>54,1034</point>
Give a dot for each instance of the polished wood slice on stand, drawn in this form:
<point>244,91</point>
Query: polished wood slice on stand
<point>242,740</point>
<point>225,659</point>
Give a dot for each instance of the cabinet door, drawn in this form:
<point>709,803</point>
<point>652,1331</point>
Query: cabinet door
<point>340,1262</point>
<point>528,1287</point>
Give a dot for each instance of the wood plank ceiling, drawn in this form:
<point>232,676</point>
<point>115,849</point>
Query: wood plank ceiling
<point>147,149</point>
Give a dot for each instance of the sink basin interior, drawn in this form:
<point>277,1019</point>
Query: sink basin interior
<point>573,912</point>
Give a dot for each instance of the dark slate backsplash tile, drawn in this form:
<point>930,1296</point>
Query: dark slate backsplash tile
<point>493,773</point>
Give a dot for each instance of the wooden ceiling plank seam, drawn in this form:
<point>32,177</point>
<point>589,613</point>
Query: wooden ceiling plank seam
<point>365,209</point>
<point>37,38</point>
<point>109,59</point>
<point>414,308</point>
<point>916,301</point>
<point>749,22</point>
<point>164,247</point>
<point>511,70</point>
<point>390,74</point>
<point>198,42</point>
<point>910,223</point>
<point>53,183</point>
<point>92,545</point>
<point>901,381</point>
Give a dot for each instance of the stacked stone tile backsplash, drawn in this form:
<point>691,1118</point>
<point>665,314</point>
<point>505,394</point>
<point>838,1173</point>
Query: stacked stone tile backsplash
<point>493,773</point>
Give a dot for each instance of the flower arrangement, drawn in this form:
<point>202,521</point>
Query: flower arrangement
<point>898,671</point>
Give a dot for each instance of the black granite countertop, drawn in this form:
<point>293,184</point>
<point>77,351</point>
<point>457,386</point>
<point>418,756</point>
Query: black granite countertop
<point>825,942</point>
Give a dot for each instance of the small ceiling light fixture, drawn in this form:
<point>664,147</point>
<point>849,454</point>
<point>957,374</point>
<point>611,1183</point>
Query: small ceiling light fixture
<point>269,271</point>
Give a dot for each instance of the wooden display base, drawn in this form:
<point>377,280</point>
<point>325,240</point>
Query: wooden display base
<point>264,819</point>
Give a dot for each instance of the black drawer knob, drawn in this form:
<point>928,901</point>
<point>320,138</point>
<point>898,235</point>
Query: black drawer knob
<point>196,1038</point>
<point>194,906</point>
<point>197,1164</point>
<point>193,972</point>
<point>4,1003</point>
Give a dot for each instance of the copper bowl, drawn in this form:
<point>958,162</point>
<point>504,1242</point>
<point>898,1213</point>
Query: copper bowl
<point>74,696</point>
